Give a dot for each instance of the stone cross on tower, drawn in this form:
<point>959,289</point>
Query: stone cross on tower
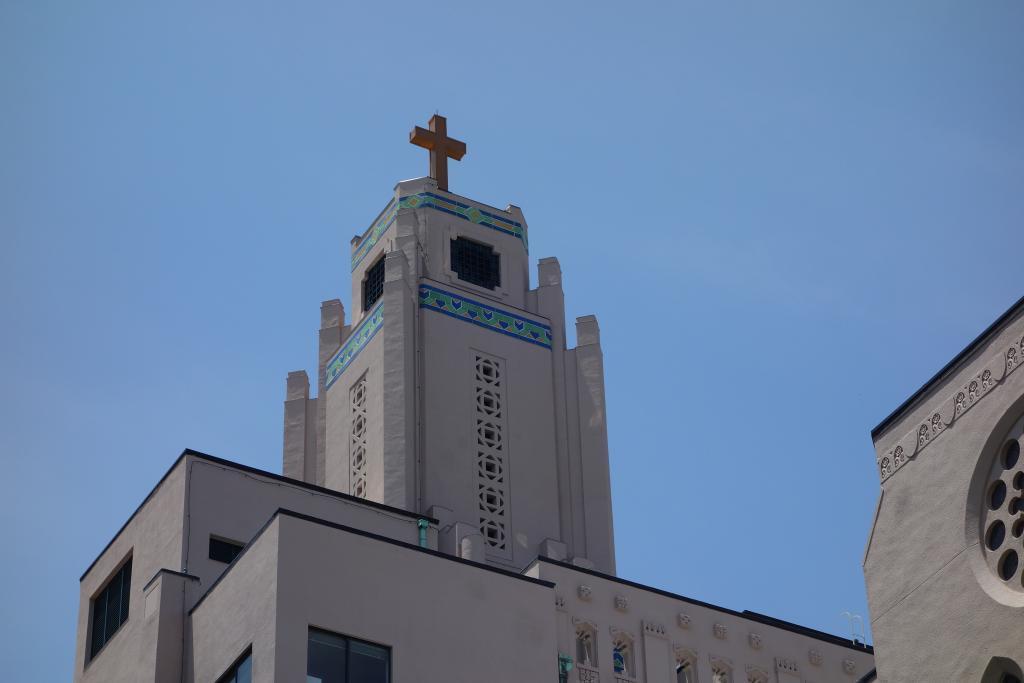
<point>441,147</point>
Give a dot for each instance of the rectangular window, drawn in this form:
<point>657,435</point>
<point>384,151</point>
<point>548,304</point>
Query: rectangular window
<point>332,658</point>
<point>110,608</point>
<point>373,284</point>
<point>241,671</point>
<point>476,263</point>
<point>223,550</point>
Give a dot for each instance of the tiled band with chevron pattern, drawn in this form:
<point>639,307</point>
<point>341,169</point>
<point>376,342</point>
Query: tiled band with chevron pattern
<point>470,311</point>
<point>355,343</point>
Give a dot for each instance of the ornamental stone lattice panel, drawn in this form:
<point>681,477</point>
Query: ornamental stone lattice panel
<point>357,439</point>
<point>491,453</point>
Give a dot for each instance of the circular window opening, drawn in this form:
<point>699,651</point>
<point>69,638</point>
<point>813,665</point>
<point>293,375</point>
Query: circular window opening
<point>1008,565</point>
<point>1011,453</point>
<point>1000,509</point>
<point>997,495</point>
<point>996,534</point>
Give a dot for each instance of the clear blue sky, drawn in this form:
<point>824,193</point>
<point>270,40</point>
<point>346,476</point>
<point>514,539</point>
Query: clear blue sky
<point>786,215</point>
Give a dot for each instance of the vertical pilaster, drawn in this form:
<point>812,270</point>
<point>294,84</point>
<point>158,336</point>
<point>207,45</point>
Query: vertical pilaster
<point>593,426</point>
<point>551,304</point>
<point>332,335</point>
<point>398,384</point>
<point>300,429</point>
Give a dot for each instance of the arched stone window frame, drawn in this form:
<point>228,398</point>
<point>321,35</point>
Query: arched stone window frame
<point>624,643</point>
<point>757,675</point>
<point>721,669</point>
<point>683,655</point>
<point>584,631</point>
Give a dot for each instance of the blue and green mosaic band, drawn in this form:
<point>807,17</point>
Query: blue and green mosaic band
<point>485,316</point>
<point>386,219</point>
<point>359,339</point>
<point>429,200</point>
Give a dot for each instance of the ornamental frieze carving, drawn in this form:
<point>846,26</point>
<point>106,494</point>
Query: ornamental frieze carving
<point>995,371</point>
<point>584,592</point>
<point>755,641</point>
<point>621,603</point>
<point>653,629</point>
<point>683,620</point>
<point>720,631</point>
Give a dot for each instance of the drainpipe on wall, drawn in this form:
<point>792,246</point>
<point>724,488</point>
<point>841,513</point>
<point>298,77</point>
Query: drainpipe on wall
<point>423,524</point>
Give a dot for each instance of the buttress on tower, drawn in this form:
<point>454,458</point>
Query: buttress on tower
<point>450,391</point>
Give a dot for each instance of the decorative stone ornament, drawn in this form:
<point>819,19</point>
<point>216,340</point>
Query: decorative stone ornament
<point>756,675</point>
<point>584,592</point>
<point>788,666</point>
<point>559,603</point>
<point>814,657</point>
<point>720,631</point>
<point>621,603</point>
<point>849,667</point>
<point>755,641</point>
<point>653,629</point>
<point>683,620</point>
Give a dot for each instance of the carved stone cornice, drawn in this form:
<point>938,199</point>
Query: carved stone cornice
<point>994,373</point>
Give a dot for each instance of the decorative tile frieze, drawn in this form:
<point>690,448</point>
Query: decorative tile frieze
<point>473,214</point>
<point>354,344</point>
<point>387,217</point>
<point>994,373</point>
<point>430,200</point>
<point>481,314</point>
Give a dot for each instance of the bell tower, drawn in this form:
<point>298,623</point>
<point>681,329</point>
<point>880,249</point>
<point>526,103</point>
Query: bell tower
<point>450,390</point>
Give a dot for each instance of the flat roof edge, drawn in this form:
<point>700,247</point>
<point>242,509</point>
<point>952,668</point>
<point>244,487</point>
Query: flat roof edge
<point>258,472</point>
<point>745,614</point>
<point>913,399</point>
<point>284,512</point>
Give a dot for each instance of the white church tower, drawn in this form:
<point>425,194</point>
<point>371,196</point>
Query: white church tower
<point>449,390</point>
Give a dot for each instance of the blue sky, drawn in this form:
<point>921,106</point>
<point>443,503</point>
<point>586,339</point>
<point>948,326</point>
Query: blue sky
<point>786,216</point>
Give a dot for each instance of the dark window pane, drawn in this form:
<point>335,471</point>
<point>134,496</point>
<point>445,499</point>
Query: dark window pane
<point>367,663</point>
<point>110,608</point>
<point>475,263</point>
<point>373,284</point>
<point>99,621</point>
<point>243,674</point>
<point>326,659</point>
<point>224,551</point>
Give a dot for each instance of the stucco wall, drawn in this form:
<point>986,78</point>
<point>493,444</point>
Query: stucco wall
<point>937,612</point>
<point>662,626</point>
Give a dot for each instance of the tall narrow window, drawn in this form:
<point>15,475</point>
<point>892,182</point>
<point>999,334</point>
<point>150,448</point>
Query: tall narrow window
<point>492,478</point>
<point>586,645</point>
<point>686,672</point>
<point>476,263</point>
<point>357,441</point>
<point>331,658</point>
<point>110,608</point>
<point>373,284</point>
<point>622,656</point>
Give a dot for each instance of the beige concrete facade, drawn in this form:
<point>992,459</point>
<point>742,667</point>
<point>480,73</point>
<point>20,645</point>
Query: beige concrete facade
<point>939,608</point>
<point>445,495</point>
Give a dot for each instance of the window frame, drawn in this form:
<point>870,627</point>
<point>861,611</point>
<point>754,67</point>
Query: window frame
<point>92,653</point>
<point>500,291</point>
<point>367,307</point>
<point>226,541</point>
<point>233,669</point>
<point>348,642</point>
